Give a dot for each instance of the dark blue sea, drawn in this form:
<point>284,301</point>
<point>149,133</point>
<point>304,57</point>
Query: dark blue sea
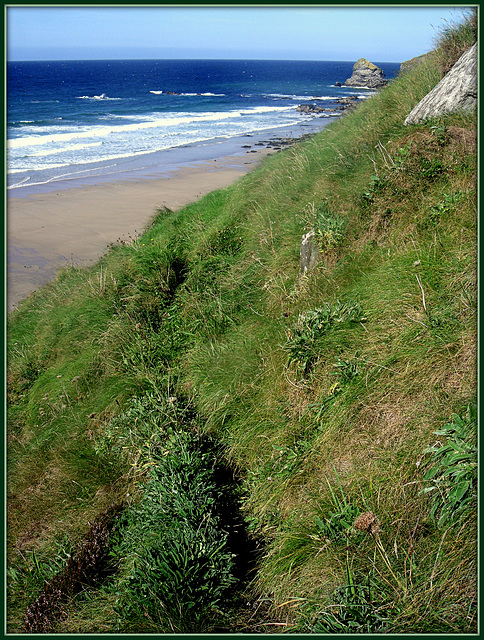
<point>78,119</point>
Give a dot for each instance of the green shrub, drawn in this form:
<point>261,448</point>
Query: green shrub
<point>452,474</point>
<point>355,608</point>
<point>176,563</point>
<point>304,338</point>
<point>329,228</point>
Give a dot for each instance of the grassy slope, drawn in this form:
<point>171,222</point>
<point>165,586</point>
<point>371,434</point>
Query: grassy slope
<point>204,307</point>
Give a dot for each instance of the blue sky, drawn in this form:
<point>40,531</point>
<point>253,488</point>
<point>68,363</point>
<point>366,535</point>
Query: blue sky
<point>380,33</point>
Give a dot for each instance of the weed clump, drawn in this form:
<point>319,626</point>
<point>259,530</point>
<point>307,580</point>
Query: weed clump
<point>176,564</point>
<point>304,338</point>
<point>210,306</point>
<point>451,476</point>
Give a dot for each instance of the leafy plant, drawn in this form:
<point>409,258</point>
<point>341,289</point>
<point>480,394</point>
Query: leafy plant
<point>438,211</point>
<point>304,339</point>
<point>337,524</point>
<point>452,474</point>
<point>329,227</point>
<point>347,370</point>
<point>354,608</point>
<point>176,561</point>
<point>440,132</point>
<point>376,186</point>
<point>137,432</point>
<point>430,169</point>
<point>401,156</point>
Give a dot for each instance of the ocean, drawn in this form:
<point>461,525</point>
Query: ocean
<point>95,119</point>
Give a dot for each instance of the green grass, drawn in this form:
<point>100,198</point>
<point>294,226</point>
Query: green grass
<point>323,393</point>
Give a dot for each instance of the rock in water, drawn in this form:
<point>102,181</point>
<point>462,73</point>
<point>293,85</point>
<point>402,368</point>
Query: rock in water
<point>366,74</point>
<point>457,91</point>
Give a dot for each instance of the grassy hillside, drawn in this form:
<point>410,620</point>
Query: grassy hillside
<point>202,439</point>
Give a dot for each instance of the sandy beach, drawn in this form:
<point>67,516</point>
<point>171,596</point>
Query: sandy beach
<point>75,225</point>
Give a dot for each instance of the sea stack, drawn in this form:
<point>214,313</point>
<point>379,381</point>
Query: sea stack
<point>366,74</point>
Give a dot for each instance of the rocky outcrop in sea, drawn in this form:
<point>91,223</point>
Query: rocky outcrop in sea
<point>344,104</point>
<point>366,74</point>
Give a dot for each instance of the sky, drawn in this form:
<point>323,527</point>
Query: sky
<point>382,33</point>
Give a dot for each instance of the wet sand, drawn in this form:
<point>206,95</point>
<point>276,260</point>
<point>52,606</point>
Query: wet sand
<point>75,225</point>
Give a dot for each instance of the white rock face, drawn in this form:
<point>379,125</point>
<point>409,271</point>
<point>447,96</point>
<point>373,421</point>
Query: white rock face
<point>457,91</point>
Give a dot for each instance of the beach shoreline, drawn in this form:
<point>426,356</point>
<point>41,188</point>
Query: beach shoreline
<point>74,221</point>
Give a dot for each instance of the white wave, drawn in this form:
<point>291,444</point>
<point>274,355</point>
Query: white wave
<point>285,96</point>
<point>189,94</point>
<point>61,176</point>
<point>53,165</point>
<point>201,94</point>
<point>167,121</point>
<point>291,96</point>
<point>19,184</point>
<point>103,96</point>
<point>73,147</point>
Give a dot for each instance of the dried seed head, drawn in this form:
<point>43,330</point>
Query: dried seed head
<point>367,522</point>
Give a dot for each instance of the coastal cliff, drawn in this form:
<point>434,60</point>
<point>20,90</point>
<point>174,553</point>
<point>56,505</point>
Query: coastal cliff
<point>208,435</point>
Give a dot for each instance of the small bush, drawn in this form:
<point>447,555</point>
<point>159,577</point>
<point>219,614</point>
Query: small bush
<point>303,340</point>
<point>329,228</point>
<point>176,561</point>
<point>452,472</point>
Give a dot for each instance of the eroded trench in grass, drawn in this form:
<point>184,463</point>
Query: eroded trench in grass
<point>179,559</point>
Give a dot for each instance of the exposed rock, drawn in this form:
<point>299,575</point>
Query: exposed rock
<point>346,103</point>
<point>349,102</point>
<point>457,91</point>
<point>309,253</point>
<point>310,108</point>
<point>366,74</point>
<point>337,84</point>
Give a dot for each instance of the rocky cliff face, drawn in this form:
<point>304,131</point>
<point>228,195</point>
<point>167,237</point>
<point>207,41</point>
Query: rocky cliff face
<point>457,91</point>
<point>366,74</point>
